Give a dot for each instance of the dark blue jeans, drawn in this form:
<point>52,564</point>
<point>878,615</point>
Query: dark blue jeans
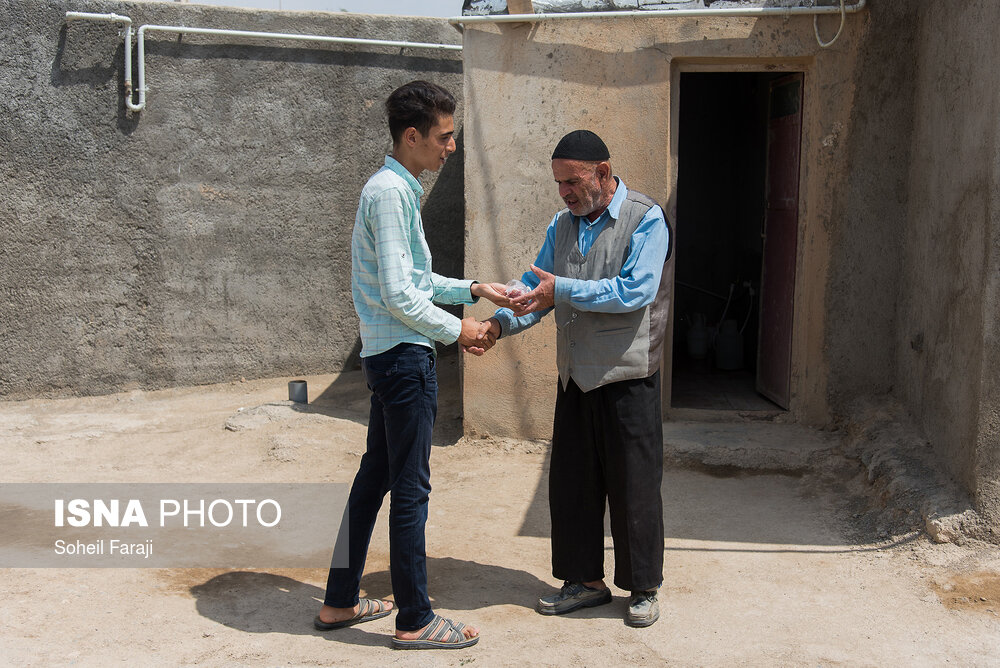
<point>403,382</point>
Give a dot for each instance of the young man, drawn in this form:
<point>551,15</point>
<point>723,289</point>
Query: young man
<point>394,292</point>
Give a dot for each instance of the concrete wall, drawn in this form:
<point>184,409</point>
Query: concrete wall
<point>898,285</point>
<point>870,209</point>
<point>526,85</point>
<point>947,344</point>
<point>206,238</point>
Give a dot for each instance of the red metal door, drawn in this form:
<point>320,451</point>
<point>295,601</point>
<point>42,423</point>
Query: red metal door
<point>781,218</point>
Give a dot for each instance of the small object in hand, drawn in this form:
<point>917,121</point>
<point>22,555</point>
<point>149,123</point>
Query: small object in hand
<point>515,288</point>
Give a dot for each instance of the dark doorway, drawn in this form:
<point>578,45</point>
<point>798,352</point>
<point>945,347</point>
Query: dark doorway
<point>726,131</point>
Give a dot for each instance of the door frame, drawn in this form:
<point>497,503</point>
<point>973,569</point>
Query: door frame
<point>801,307</point>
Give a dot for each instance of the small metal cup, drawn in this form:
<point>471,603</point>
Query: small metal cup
<point>298,392</point>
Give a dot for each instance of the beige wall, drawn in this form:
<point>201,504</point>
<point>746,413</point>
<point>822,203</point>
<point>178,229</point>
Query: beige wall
<point>528,84</point>
<point>948,354</point>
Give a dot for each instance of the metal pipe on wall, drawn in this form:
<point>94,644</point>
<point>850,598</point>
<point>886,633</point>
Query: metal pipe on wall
<point>660,13</point>
<point>113,18</point>
<point>141,104</point>
<point>182,30</point>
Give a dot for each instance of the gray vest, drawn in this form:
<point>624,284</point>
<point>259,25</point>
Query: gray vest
<point>595,349</point>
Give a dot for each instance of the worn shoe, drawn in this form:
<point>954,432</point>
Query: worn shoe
<point>368,609</point>
<point>572,596</point>
<point>441,633</point>
<point>643,609</point>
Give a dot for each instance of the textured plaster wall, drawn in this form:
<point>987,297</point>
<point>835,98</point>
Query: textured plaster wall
<point>528,84</point>
<point>208,237</point>
<point>870,209</point>
<point>949,308</point>
<point>519,84</point>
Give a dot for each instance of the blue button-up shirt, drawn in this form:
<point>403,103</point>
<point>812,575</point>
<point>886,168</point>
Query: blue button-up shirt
<point>392,282</point>
<point>633,288</point>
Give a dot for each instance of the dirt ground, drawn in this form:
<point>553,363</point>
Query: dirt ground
<point>759,569</point>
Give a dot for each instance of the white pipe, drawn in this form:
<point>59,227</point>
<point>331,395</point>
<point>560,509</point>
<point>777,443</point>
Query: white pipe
<point>661,13</point>
<point>114,18</point>
<point>141,104</point>
<point>261,35</point>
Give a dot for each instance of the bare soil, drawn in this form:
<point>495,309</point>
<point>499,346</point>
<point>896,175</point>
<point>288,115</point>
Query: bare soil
<point>759,569</point>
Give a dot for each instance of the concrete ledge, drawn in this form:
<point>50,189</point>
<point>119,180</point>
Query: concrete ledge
<point>759,447</point>
<point>893,466</point>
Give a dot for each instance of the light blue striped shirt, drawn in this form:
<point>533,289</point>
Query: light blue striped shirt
<point>391,278</point>
<point>635,285</point>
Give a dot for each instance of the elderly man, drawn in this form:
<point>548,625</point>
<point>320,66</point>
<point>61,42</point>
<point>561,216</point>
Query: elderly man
<point>602,269</point>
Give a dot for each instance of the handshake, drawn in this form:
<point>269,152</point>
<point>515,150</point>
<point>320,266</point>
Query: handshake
<point>478,337</point>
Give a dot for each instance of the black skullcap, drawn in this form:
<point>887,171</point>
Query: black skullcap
<point>581,145</point>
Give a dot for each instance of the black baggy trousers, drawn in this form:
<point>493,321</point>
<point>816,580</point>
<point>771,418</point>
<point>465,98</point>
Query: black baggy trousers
<point>607,444</point>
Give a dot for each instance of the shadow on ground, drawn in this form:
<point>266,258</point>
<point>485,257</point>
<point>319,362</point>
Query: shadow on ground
<point>754,512</point>
<point>278,602</point>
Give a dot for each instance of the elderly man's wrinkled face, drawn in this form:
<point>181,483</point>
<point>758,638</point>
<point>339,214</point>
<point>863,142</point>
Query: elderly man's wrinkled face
<point>580,185</point>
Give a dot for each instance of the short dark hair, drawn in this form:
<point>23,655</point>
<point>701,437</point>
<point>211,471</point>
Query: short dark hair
<point>417,104</point>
